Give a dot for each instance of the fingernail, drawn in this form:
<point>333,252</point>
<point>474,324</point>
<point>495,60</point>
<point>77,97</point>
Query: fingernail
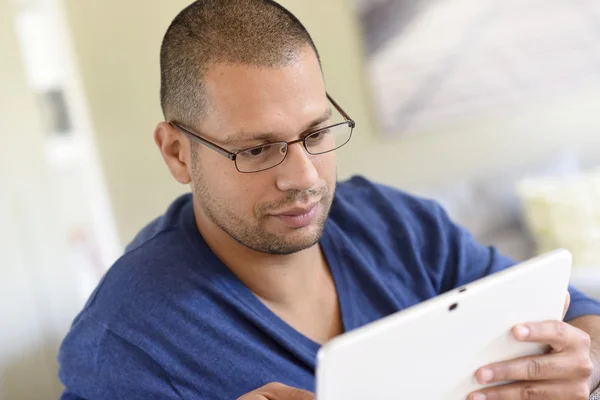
<point>486,375</point>
<point>523,331</point>
<point>478,396</point>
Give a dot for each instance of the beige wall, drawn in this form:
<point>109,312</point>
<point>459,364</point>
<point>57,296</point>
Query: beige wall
<point>117,44</point>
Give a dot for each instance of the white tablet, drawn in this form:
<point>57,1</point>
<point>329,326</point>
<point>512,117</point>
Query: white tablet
<point>432,350</point>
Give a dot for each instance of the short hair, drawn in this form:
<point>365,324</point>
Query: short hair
<point>247,32</point>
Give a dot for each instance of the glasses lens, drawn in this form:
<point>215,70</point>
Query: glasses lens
<point>328,139</point>
<point>261,157</point>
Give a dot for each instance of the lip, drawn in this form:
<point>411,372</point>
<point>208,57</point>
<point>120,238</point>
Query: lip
<point>298,217</point>
<point>296,211</point>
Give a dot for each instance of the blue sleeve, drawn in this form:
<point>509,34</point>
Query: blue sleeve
<point>464,260</point>
<point>97,364</point>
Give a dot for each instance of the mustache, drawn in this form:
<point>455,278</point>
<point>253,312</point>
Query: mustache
<point>292,198</point>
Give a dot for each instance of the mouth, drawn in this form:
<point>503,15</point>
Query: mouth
<point>298,217</point>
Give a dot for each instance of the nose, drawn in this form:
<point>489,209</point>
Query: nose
<point>297,172</point>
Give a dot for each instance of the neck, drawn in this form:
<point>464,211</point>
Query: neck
<point>283,280</point>
<point>298,287</point>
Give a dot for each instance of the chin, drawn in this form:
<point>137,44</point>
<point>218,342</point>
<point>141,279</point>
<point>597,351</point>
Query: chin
<point>290,244</point>
<point>290,248</point>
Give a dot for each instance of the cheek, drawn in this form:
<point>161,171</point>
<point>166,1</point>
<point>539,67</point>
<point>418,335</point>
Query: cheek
<point>254,190</point>
<point>223,184</point>
<point>239,194</point>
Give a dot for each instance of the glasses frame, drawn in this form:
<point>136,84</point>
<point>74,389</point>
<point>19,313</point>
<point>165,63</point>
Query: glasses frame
<point>190,133</point>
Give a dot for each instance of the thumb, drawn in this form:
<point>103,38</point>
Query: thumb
<point>567,303</point>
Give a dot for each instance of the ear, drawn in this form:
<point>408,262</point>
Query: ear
<point>175,150</point>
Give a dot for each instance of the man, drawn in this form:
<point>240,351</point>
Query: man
<point>231,292</point>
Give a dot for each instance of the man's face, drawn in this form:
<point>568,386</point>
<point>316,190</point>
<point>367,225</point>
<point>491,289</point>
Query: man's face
<point>281,210</point>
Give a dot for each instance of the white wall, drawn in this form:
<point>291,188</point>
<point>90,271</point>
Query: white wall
<point>118,46</point>
<point>482,146</point>
<point>37,289</point>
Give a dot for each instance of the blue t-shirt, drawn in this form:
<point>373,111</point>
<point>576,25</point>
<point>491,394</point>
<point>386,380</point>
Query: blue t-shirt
<point>170,321</point>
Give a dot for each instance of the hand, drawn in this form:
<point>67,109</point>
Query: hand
<point>562,373</point>
<point>278,391</point>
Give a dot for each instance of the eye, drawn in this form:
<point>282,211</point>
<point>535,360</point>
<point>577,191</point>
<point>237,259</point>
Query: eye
<point>256,151</point>
<point>317,136</point>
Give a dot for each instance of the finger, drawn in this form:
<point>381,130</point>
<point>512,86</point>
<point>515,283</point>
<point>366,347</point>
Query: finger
<point>536,368</point>
<point>279,391</point>
<point>567,304</point>
<point>558,334</point>
<point>534,391</point>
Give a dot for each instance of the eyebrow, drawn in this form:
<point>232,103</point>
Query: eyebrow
<point>267,137</point>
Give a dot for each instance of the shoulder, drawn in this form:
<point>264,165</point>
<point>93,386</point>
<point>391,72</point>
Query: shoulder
<point>161,262</point>
<point>360,201</point>
<point>363,193</point>
<point>411,232</point>
<point>173,219</point>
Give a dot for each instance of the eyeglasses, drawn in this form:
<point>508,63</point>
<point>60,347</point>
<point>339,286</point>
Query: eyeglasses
<point>270,155</point>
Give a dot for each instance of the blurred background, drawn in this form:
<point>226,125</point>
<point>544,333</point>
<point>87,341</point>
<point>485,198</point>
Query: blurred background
<point>504,132</point>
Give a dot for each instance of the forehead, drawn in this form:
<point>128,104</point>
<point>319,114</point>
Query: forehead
<point>249,98</point>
